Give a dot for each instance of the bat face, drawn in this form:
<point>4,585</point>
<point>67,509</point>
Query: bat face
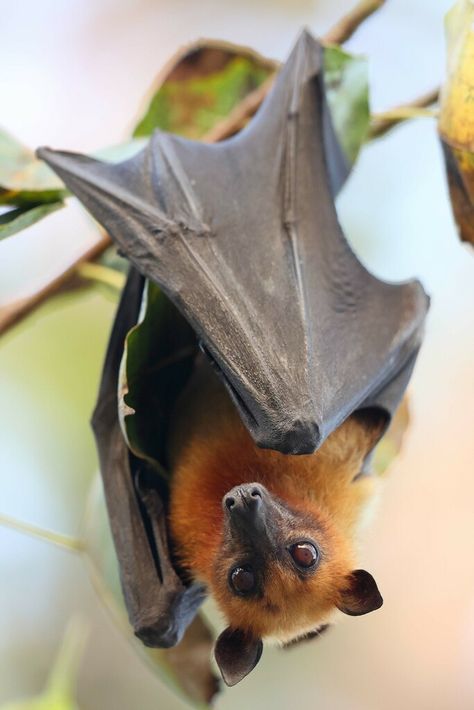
<point>280,571</point>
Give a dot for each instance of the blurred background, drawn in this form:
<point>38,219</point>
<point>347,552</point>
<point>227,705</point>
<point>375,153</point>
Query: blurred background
<point>74,76</point>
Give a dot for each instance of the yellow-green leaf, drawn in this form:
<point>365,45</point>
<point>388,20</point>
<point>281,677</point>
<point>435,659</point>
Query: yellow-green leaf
<point>456,121</point>
<point>23,178</point>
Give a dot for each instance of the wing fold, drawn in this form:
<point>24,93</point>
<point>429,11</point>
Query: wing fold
<point>243,237</point>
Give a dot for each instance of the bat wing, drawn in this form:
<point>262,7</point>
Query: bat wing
<point>160,606</point>
<point>243,237</point>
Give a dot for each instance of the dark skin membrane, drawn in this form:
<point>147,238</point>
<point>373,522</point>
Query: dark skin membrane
<point>159,604</point>
<point>243,238</point>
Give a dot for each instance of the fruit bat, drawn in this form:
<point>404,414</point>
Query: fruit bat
<point>305,357</point>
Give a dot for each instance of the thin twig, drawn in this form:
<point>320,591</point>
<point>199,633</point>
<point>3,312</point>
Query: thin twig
<point>405,113</point>
<point>72,545</point>
<point>101,274</point>
<point>55,538</point>
<point>384,122</point>
<point>347,25</point>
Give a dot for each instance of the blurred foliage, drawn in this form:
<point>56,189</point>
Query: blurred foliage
<point>456,121</point>
<point>25,180</point>
<point>390,445</point>
<point>60,687</point>
<point>347,84</point>
<point>19,218</point>
<point>203,87</point>
<point>30,187</point>
<point>27,184</point>
<point>212,78</point>
<point>186,667</point>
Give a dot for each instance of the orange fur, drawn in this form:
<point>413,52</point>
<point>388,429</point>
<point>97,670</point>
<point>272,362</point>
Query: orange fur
<point>211,452</point>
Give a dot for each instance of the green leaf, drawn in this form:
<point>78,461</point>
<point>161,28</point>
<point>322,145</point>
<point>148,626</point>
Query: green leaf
<point>158,358</point>
<point>347,85</point>
<point>202,88</point>
<point>19,218</point>
<point>25,180</point>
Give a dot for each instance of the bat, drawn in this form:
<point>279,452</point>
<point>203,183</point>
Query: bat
<point>271,535</point>
<point>305,357</point>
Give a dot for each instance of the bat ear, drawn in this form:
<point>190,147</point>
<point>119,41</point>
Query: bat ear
<point>236,654</point>
<point>361,594</point>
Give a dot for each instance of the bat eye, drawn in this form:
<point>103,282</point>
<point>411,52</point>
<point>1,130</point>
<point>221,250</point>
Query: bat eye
<point>242,580</point>
<point>304,554</point>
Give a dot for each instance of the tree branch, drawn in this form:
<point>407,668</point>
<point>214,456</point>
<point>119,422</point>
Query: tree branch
<point>242,113</point>
<point>101,274</point>
<point>59,539</point>
<point>384,122</point>
<point>347,25</point>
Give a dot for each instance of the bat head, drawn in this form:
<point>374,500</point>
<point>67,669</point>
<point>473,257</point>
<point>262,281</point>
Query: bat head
<point>280,572</point>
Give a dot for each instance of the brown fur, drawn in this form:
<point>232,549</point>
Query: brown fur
<point>211,452</point>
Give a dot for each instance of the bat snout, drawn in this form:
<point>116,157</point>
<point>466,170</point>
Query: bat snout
<point>246,499</point>
<point>249,522</point>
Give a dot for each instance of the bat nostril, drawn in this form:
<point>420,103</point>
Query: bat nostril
<point>244,499</point>
<point>229,502</point>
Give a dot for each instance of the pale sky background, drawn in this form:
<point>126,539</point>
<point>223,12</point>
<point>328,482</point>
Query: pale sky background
<point>74,76</point>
